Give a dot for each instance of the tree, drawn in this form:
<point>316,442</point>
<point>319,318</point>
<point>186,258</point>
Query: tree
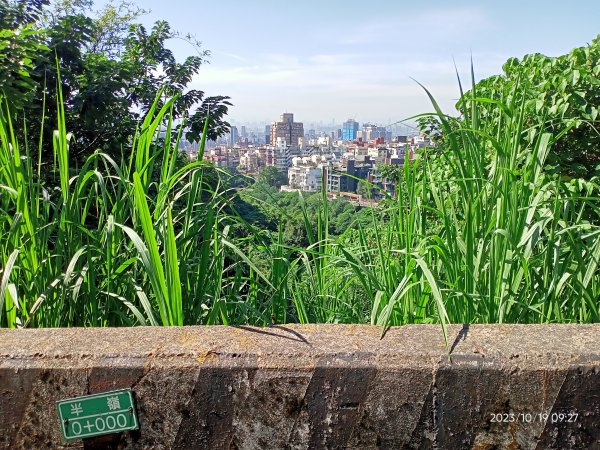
<point>343,219</point>
<point>111,71</point>
<point>16,13</point>
<point>271,176</point>
<point>20,43</point>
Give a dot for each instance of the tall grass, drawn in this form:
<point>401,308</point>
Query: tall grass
<point>138,241</point>
<point>476,233</point>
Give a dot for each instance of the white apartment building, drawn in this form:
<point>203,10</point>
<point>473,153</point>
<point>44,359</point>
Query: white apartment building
<point>305,178</point>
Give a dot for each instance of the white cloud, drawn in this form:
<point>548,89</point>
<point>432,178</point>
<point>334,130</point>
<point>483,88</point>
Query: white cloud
<point>418,28</point>
<point>341,72</point>
<point>231,55</point>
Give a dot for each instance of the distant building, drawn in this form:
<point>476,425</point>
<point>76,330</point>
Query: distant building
<point>287,129</point>
<point>305,178</point>
<point>378,153</point>
<point>243,142</point>
<point>267,134</point>
<point>371,132</point>
<point>337,178</point>
<point>281,157</point>
<point>233,136</point>
<point>349,130</point>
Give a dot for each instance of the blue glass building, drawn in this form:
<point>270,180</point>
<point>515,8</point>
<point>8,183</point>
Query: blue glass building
<point>349,130</point>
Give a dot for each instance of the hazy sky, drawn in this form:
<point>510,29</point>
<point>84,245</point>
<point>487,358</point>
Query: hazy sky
<point>333,60</point>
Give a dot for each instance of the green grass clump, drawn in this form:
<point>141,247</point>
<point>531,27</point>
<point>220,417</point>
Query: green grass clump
<point>135,242</point>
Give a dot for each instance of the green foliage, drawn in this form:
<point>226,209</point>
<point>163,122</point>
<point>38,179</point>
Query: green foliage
<point>16,13</point>
<point>111,26</point>
<point>18,49</point>
<point>20,45</point>
<point>271,176</point>
<point>561,92</point>
<point>265,207</point>
<point>111,73</point>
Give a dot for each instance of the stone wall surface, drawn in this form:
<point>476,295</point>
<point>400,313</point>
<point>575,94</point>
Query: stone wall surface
<point>312,386</point>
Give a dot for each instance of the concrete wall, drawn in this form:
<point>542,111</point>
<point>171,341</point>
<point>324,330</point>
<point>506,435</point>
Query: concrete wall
<point>312,387</point>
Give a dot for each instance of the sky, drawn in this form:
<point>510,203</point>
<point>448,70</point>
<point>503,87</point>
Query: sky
<point>328,61</point>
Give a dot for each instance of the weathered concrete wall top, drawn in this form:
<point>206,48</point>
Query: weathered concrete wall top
<point>311,387</point>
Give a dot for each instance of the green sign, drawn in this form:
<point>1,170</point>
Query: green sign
<point>98,414</point>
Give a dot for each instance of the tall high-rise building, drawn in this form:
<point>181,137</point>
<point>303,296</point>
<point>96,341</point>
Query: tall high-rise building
<point>349,129</point>
<point>287,129</point>
<point>233,136</point>
<point>267,134</point>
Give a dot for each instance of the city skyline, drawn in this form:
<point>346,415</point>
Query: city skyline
<point>331,61</point>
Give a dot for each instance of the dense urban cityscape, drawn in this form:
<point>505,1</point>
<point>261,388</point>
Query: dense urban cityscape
<point>341,157</point>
